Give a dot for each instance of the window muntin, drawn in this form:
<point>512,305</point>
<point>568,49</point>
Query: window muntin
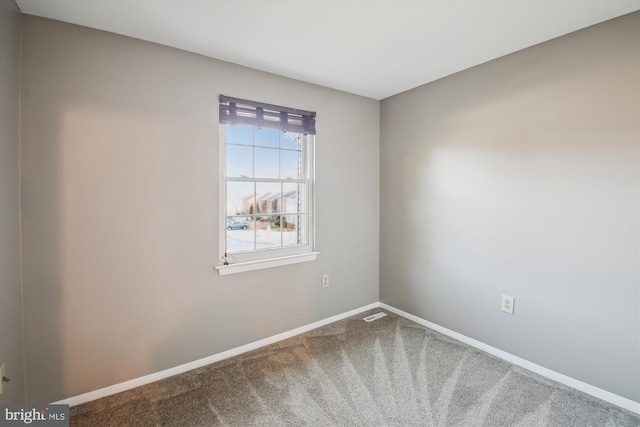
<point>267,189</point>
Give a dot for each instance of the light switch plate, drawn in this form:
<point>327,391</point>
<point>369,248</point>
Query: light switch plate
<point>3,370</point>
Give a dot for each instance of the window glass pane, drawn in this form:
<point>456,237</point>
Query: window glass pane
<point>268,232</point>
<point>240,199</point>
<point>293,230</point>
<point>240,236</point>
<point>268,197</point>
<point>267,137</point>
<point>290,140</point>
<point>239,161</point>
<point>290,164</point>
<point>260,214</point>
<point>239,135</point>
<point>292,197</point>
<point>266,163</point>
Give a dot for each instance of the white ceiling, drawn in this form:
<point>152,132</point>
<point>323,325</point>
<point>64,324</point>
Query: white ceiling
<point>374,48</point>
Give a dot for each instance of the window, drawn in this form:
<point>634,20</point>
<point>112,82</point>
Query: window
<point>266,186</point>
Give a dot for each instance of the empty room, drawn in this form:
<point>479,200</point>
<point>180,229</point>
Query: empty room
<point>320,213</point>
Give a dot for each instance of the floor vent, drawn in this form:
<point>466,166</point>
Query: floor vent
<point>374,317</point>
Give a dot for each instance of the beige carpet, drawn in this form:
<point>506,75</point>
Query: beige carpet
<point>389,372</point>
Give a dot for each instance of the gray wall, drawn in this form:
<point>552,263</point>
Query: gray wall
<point>521,176</point>
<point>120,210</point>
<point>11,329</point>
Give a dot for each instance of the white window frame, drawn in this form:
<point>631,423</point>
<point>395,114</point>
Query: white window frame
<point>271,257</point>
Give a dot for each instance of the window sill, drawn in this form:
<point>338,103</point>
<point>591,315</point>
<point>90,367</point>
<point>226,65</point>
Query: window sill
<point>240,267</point>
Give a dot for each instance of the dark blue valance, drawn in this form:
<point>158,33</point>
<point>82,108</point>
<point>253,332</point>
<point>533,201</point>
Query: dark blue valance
<point>236,111</point>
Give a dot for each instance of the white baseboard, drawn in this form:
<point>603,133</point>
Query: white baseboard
<point>137,382</point>
<point>548,373</point>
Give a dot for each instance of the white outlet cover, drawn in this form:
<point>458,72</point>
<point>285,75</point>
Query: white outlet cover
<point>325,281</point>
<point>507,304</point>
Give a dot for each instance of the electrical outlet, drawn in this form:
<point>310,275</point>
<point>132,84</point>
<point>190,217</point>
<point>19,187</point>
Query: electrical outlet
<point>507,304</point>
<point>3,371</point>
<point>325,281</point>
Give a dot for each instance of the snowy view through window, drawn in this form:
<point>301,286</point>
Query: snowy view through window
<point>266,185</point>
